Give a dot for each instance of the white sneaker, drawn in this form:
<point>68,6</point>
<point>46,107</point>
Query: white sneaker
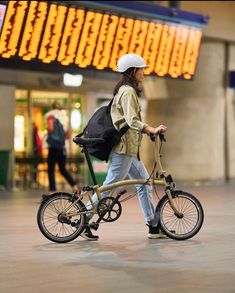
<point>159,235</point>
<point>155,233</point>
<point>87,234</point>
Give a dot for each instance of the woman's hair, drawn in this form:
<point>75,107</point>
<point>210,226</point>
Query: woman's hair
<point>128,78</point>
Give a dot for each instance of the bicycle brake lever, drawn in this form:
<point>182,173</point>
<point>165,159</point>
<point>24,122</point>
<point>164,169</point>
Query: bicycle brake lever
<point>161,136</point>
<point>152,136</point>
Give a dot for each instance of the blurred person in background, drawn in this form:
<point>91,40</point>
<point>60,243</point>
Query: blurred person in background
<point>58,130</point>
<point>37,151</point>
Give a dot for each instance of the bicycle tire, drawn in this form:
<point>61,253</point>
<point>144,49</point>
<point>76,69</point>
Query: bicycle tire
<point>48,221</point>
<point>191,222</point>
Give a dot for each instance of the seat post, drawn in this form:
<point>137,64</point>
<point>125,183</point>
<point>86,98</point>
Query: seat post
<point>90,165</point>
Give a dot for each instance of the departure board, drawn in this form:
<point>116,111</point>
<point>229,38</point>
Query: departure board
<point>49,32</point>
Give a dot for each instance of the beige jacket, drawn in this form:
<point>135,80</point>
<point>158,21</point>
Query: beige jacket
<point>126,110</point>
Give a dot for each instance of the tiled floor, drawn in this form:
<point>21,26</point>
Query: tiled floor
<point>123,260</point>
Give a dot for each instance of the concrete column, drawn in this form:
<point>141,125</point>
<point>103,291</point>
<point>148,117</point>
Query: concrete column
<point>193,112</point>
<point>231,131</point>
<point>7,106</point>
<point>230,96</point>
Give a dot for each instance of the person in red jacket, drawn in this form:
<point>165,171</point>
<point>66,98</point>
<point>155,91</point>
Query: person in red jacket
<point>37,151</point>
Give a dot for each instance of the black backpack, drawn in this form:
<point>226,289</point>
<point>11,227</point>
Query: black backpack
<point>100,125</point>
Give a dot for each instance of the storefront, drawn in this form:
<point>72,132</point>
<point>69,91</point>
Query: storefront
<point>31,106</point>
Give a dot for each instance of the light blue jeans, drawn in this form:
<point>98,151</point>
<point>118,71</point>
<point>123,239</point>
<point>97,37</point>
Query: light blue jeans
<point>123,166</point>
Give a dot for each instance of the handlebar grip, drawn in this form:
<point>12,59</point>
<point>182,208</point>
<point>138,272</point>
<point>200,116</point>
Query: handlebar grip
<point>161,136</point>
<point>152,136</point>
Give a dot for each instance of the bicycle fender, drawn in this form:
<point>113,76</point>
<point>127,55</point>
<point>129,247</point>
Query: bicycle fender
<point>46,197</point>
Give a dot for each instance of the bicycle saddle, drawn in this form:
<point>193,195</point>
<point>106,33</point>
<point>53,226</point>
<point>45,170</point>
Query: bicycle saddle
<point>87,141</point>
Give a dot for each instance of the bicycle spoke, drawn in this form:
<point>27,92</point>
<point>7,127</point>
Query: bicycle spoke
<point>54,224</point>
<point>187,225</point>
<point>53,208</point>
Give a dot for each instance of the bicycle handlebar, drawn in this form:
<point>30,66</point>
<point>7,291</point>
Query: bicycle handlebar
<point>161,136</point>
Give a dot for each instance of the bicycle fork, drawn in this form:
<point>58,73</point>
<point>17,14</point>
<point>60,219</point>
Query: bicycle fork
<point>177,213</point>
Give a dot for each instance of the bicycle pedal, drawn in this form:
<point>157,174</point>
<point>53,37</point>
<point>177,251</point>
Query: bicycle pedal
<point>94,226</point>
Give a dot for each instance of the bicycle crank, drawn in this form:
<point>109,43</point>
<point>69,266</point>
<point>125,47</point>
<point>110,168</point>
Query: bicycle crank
<point>109,209</point>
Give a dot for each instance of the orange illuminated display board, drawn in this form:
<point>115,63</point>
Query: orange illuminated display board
<point>38,30</point>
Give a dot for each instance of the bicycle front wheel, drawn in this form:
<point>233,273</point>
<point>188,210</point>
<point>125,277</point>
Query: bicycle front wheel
<point>190,221</point>
<point>54,225</point>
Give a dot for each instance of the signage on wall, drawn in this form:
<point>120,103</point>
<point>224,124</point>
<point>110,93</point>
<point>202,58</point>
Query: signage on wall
<point>49,33</point>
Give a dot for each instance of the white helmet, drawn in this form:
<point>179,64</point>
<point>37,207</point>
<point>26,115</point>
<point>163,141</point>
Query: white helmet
<point>130,60</point>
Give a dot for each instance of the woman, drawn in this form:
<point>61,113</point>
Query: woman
<point>125,160</point>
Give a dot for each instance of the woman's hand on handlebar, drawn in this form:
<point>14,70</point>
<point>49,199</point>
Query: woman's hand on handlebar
<point>151,130</point>
<point>160,129</point>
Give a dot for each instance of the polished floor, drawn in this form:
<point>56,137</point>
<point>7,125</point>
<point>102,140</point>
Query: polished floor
<point>123,260</point>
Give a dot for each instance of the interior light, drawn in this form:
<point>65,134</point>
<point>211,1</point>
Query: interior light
<point>19,133</point>
<point>76,119</point>
<point>77,105</point>
<point>72,80</point>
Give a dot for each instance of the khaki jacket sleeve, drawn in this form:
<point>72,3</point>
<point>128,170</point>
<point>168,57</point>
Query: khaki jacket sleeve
<point>131,110</point>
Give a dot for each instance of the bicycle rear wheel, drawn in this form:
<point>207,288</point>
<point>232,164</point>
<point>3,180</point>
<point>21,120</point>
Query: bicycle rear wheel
<point>186,226</point>
<point>54,225</point>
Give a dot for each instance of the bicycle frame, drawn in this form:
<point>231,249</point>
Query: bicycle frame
<point>160,180</point>
<point>63,216</point>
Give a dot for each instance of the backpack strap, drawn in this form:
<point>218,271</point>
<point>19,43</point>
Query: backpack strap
<point>124,130</point>
<point>110,103</point>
